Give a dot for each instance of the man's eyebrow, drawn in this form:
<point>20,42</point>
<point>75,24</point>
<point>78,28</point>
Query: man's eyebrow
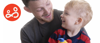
<point>37,8</point>
<point>40,7</point>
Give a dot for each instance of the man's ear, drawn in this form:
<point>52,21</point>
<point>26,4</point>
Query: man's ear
<point>27,9</point>
<point>79,21</point>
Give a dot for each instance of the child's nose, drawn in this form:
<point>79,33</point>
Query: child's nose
<point>61,15</point>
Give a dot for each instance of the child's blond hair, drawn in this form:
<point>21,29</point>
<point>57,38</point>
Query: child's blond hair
<point>81,6</point>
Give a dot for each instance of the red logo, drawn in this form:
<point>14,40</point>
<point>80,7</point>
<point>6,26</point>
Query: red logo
<point>12,12</point>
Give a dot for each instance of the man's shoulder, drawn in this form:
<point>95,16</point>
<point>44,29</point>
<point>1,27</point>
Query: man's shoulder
<point>29,25</point>
<point>58,12</point>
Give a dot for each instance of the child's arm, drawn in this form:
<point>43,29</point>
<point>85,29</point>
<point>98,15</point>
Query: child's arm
<point>84,37</point>
<point>87,40</point>
<point>53,38</point>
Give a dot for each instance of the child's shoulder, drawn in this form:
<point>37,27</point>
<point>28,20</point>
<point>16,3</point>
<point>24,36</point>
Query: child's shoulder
<point>83,36</point>
<point>60,31</point>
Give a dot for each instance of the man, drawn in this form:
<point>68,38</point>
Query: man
<point>45,22</point>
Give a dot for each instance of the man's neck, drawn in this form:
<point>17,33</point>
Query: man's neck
<point>73,32</point>
<point>40,21</point>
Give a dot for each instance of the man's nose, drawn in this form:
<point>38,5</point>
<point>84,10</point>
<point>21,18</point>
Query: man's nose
<point>46,11</point>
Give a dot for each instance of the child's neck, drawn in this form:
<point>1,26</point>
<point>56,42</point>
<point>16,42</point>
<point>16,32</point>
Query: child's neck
<point>73,32</point>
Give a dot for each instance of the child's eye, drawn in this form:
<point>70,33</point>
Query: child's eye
<point>66,13</point>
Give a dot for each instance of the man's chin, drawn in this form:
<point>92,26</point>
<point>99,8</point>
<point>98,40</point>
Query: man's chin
<point>48,21</point>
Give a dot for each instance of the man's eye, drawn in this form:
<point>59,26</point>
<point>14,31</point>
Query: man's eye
<point>48,4</point>
<point>38,10</point>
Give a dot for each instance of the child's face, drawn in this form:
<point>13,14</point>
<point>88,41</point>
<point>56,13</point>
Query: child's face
<point>68,18</point>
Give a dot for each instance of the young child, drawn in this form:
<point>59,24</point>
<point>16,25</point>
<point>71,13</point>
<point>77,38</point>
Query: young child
<point>75,16</point>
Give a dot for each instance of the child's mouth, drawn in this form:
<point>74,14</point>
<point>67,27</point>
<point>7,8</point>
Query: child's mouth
<point>63,21</point>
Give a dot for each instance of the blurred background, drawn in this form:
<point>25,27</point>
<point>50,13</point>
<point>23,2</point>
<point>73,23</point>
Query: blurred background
<point>10,30</point>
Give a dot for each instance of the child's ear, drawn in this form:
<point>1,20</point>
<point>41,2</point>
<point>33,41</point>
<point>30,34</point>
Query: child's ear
<point>78,21</point>
<point>27,9</point>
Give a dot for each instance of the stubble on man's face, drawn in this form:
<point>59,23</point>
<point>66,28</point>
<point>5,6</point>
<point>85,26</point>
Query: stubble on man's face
<point>42,10</point>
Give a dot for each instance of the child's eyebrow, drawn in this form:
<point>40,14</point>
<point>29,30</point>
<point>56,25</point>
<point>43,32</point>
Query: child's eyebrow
<point>47,1</point>
<point>65,12</point>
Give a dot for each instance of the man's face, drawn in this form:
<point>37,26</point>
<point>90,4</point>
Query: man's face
<point>42,10</point>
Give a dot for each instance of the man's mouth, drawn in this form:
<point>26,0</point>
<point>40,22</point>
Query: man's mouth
<point>47,16</point>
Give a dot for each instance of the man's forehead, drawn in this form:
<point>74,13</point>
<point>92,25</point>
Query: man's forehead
<point>37,3</point>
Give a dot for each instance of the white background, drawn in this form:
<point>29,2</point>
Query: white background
<point>10,31</point>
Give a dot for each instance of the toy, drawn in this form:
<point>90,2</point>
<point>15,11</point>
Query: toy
<point>61,40</point>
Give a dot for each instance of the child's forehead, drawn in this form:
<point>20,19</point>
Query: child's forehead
<point>73,11</point>
<point>75,5</point>
<point>76,8</point>
<point>70,9</point>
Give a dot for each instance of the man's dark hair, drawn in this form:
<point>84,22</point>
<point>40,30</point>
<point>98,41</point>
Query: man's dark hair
<point>26,2</point>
